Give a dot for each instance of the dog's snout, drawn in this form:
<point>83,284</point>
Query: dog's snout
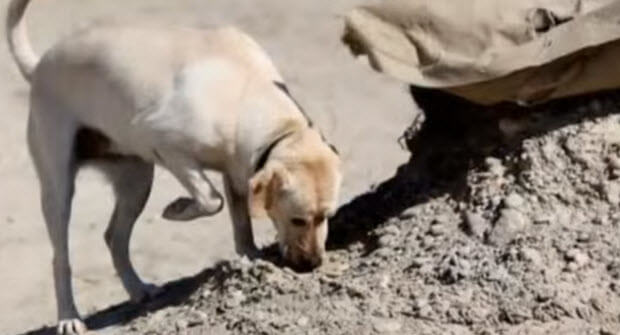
<point>313,261</point>
<point>306,263</point>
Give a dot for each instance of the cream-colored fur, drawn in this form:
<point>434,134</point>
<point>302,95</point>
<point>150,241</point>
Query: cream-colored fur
<point>187,100</point>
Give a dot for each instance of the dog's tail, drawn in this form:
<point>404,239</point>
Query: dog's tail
<point>17,36</point>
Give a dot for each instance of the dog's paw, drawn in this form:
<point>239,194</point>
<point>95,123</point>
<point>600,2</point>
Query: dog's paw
<point>251,252</point>
<point>214,205</point>
<point>182,209</point>
<point>187,209</point>
<point>146,293</point>
<point>71,327</point>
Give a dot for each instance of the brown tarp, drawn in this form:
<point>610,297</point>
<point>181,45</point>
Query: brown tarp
<point>489,51</point>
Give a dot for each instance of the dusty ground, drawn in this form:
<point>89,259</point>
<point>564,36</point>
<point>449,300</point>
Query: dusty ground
<point>503,226</point>
<point>361,112</point>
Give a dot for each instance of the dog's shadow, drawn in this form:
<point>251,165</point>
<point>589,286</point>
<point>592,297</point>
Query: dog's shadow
<point>455,137</point>
<point>174,293</point>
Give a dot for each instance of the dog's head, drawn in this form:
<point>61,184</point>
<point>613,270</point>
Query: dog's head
<point>298,190</point>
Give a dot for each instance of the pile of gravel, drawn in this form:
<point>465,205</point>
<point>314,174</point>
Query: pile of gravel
<point>502,225</point>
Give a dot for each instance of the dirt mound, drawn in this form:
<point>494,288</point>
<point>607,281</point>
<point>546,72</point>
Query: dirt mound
<point>505,223</point>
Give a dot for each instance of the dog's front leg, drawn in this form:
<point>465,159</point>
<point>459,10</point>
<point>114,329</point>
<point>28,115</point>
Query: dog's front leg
<point>205,199</point>
<point>242,224</point>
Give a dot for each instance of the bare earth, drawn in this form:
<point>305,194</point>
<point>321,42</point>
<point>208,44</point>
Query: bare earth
<point>497,223</point>
<point>361,112</point>
<point>486,230</point>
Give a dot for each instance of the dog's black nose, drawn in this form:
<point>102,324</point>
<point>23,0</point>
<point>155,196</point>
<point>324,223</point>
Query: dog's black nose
<point>307,264</point>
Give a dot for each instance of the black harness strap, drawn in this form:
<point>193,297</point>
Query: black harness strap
<point>284,89</point>
<point>264,157</point>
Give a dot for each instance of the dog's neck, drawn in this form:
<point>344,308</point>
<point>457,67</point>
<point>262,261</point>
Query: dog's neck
<point>266,152</point>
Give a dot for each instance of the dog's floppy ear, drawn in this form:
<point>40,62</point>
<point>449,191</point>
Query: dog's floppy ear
<point>263,188</point>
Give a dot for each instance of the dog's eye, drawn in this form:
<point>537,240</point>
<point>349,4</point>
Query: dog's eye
<point>298,222</point>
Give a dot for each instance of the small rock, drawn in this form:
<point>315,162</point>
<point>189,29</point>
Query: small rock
<point>198,317</point>
<point>386,326</point>
<point>427,242</point>
<point>614,269</point>
<point>392,230</point>
<point>157,318</point>
<point>514,201</point>
<point>496,200</point>
<point>181,324</point>
<point>381,311</point>
<point>441,219</point>
<point>422,308</point>
<point>383,253</point>
<point>385,281</point>
<point>614,162</point>
<point>303,321</point>
<point>475,225</point>
<point>584,237</point>
<point>453,268</point>
<point>611,192</point>
<point>260,315</point>
<point>598,305</point>
<point>426,312</point>
<point>563,217</point>
<point>495,166</point>
<point>408,213</point>
<point>334,269</point>
<point>436,230</point>
<point>244,262</point>
<point>355,247</point>
<point>584,312</point>
<point>615,287</point>
<point>510,223</point>
<point>516,313</point>
<point>546,293</point>
<point>235,299</point>
<point>576,258</point>
<point>419,303</point>
<point>572,267</point>
<point>356,291</point>
<point>337,256</point>
<point>575,255</point>
<point>386,241</point>
<point>419,262</point>
<point>606,331</point>
<point>601,221</point>
<point>530,255</point>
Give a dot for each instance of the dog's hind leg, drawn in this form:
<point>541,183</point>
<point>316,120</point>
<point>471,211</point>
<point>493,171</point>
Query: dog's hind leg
<point>131,179</point>
<point>50,137</point>
<point>205,199</point>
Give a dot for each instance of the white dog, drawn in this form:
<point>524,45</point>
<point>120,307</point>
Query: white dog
<point>125,98</point>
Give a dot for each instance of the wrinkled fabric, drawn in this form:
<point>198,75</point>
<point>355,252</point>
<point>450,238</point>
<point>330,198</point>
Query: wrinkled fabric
<point>491,51</point>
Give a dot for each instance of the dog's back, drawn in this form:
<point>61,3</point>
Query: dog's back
<point>136,72</point>
<point>144,57</point>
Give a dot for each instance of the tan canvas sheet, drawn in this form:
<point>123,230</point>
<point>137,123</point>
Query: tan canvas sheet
<point>491,51</point>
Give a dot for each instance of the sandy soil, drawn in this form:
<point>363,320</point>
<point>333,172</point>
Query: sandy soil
<point>361,112</point>
<point>505,226</point>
